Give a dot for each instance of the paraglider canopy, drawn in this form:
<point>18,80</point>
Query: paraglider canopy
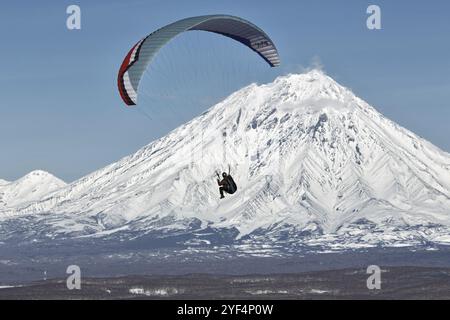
<point>142,53</point>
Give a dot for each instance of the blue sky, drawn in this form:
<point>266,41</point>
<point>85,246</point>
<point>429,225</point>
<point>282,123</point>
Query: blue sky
<point>60,110</point>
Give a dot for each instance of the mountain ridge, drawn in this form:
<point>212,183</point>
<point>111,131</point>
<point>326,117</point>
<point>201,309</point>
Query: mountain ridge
<point>305,152</point>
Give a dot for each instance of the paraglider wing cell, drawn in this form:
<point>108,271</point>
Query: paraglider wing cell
<point>142,53</point>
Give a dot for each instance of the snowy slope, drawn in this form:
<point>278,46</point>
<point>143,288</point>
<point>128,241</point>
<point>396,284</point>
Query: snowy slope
<point>30,188</point>
<point>309,157</point>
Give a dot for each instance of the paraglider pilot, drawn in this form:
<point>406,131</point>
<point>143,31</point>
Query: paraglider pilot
<point>227,184</point>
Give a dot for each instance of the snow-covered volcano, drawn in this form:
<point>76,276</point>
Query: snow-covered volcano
<point>312,161</point>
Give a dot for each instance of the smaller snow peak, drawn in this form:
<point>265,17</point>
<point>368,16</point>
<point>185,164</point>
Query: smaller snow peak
<point>3,182</point>
<point>37,174</point>
<point>30,188</point>
<point>41,176</point>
